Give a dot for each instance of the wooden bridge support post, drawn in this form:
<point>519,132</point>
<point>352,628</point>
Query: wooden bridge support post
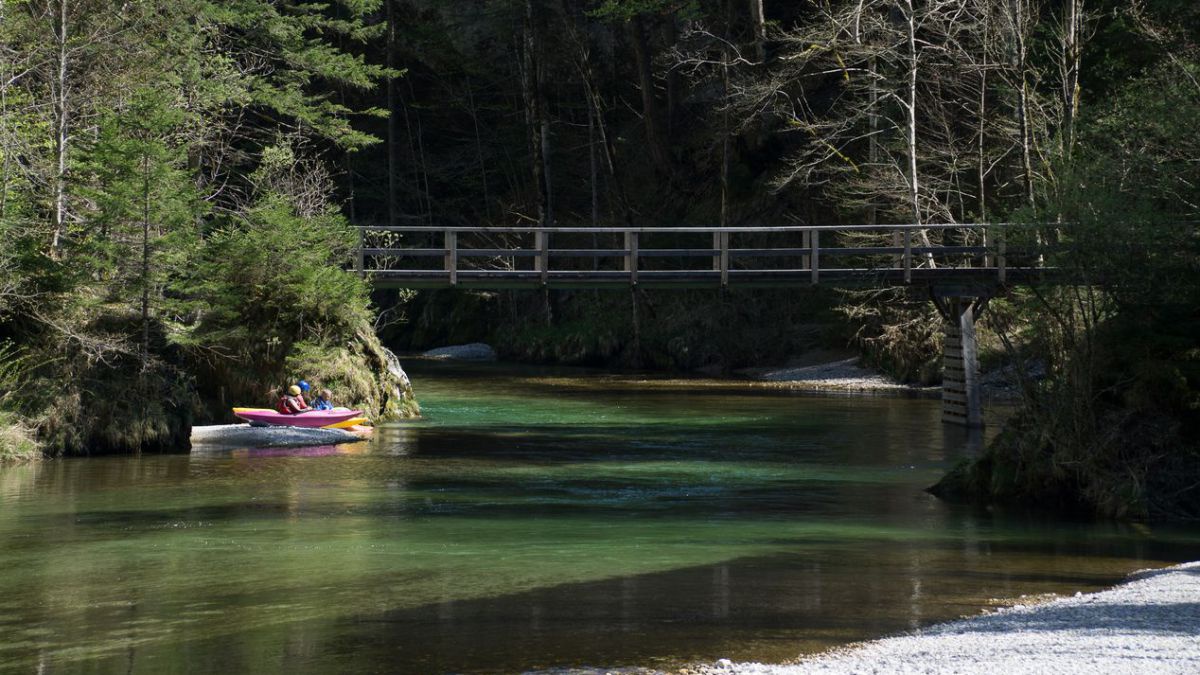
<point>962,399</point>
<point>451,260</point>
<point>721,256</point>
<point>1001,258</point>
<point>908,256</point>
<point>631,256</point>
<point>541,241</point>
<point>816,256</point>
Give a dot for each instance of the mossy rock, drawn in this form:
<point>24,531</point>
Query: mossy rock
<point>361,374</point>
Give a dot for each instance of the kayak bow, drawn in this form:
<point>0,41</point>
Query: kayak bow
<point>310,419</point>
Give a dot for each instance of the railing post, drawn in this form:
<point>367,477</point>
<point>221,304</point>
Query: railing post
<point>362,245</point>
<point>816,255</point>
<point>908,255</point>
<point>806,242</point>
<point>987,253</point>
<point>541,241</point>
<point>1001,259</point>
<point>631,256</point>
<point>897,242</point>
<point>721,257</point>
<point>451,261</point>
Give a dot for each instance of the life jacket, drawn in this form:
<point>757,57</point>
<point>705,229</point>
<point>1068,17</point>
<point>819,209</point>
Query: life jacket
<point>281,406</point>
<point>290,405</point>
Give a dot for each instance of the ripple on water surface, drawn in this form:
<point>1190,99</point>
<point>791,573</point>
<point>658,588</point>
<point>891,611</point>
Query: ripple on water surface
<point>534,520</point>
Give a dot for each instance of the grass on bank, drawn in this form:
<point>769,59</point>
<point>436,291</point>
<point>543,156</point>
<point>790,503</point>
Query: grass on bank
<point>17,443</point>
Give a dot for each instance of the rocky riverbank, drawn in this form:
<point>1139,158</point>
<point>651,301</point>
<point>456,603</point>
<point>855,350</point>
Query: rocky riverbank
<point>1150,624</point>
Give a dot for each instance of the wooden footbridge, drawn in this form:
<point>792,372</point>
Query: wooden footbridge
<point>961,265</point>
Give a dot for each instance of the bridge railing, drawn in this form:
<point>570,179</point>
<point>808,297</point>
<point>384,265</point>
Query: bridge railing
<point>537,255</point>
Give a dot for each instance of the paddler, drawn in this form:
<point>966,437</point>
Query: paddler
<point>293,403</point>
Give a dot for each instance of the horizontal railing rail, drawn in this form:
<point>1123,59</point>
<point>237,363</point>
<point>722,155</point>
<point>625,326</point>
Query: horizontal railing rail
<point>973,251</point>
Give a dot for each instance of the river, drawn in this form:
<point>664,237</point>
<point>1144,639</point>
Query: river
<point>536,519</point>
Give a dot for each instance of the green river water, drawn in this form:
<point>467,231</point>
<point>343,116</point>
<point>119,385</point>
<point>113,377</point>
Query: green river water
<point>534,520</point>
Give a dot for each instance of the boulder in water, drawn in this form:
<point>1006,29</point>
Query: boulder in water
<point>476,351</point>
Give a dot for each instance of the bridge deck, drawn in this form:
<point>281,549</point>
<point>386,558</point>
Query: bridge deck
<point>970,255</point>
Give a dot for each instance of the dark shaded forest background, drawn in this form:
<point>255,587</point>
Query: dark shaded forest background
<point>179,180</point>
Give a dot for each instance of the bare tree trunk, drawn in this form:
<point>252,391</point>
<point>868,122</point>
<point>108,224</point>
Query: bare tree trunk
<point>393,155</point>
<point>5,149</point>
<point>145,262</point>
<point>483,179</point>
<point>421,170</point>
<point>674,86</point>
<point>5,79</point>
<point>1072,37</point>
<point>583,65</point>
<point>981,145</point>
<point>616,187</point>
<point>533,113</point>
<point>544,127</point>
<point>873,143</point>
<point>725,56</point>
<point>725,138</point>
<point>593,160</point>
<point>914,186</point>
<point>759,17</point>
<point>594,172</point>
<point>911,107</point>
<point>1019,11</point>
<point>641,52</point>
<point>61,129</point>
<point>424,170</point>
<point>410,137</point>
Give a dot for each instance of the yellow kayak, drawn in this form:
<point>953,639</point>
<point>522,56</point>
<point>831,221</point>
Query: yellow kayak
<point>346,424</point>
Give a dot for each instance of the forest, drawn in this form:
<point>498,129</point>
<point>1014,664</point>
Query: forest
<point>179,180</point>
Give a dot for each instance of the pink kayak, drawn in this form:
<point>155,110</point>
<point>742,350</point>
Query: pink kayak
<point>312,418</point>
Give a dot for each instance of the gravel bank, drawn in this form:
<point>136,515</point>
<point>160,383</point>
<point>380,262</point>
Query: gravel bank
<point>476,351</point>
<point>1151,624</point>
<point>843,375</point>
<point>244,435</point>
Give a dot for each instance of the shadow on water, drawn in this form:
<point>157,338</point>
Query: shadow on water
<point>533,520</point>
<point>769,608</point>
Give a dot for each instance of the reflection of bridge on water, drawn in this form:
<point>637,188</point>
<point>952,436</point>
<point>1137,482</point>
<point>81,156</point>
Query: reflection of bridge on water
<point>961,265</point>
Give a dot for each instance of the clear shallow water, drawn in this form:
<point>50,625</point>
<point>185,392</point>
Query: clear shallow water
<point>534,520</point>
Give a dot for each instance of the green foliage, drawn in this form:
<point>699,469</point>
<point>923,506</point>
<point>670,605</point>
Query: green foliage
<point>274,304</point>
<point>274,279</point>
<point>302,63</point>
<point>1114,429</point>
<point>625,10</point>
<point>142,199</point>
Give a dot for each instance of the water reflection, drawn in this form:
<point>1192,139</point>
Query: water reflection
<point>530,522</point>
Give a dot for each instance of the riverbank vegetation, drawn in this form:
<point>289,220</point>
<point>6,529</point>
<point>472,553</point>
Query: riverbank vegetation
<point>1115,428</point>
<point>172,239</point>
